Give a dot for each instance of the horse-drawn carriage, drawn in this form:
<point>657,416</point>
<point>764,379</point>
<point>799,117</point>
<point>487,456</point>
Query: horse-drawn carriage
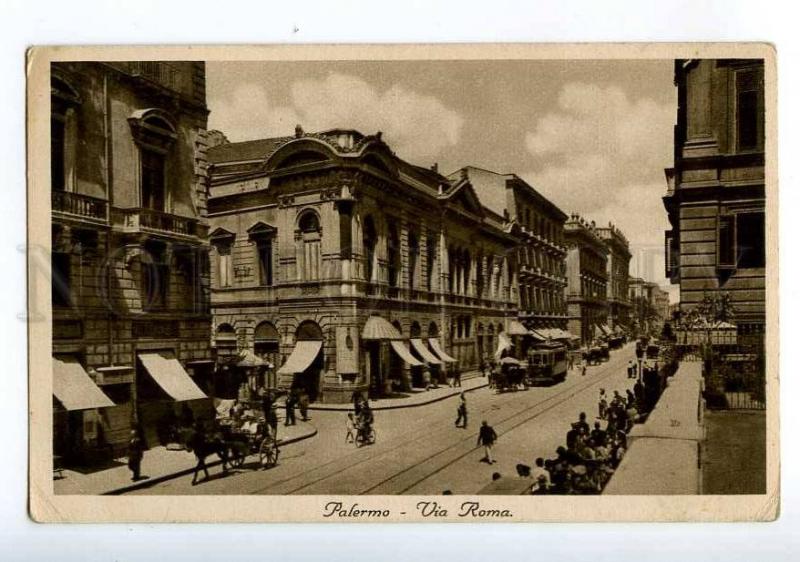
<point>511,375</point>
<point>245,433</point>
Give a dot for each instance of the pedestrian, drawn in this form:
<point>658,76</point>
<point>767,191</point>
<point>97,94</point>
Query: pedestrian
<point>302,403</point>
<point>350,424</point>
<point>582,424</point>
<point>290,401</point>
<point>571,362</point>
<point>199,446</point>
<point>356,398</point>
<point>457,378</point>
<point>462,412</point>
<point>135,454</point>
<point>487,438</point>
<point>583,370</point>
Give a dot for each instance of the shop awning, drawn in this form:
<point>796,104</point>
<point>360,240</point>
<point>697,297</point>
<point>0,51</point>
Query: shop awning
<point>437,349</point>
<point>515,328</point>
<point>405,354</point>
<point>301,358</point>
<point>74,388</point>
<point>378,328</point>
<point>420,347</point>
<point>503,343</point>
<point>170,375</point>
<point>250,359</point>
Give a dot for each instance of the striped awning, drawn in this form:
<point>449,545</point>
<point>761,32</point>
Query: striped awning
<point>74,388</point>
<point>437,349</point>
<point>378,328</point>
<point>402,350</point>
<point>301,358</point>
<point>420,347</point>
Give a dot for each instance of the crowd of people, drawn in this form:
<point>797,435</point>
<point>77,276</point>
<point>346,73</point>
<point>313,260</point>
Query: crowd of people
<point>591,454</point>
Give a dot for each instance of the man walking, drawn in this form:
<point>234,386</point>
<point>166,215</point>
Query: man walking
<point>135,454</point>
<point>302,403</point>
<point>290,420</point>
<point>487,437</point>
<point>462,412</point>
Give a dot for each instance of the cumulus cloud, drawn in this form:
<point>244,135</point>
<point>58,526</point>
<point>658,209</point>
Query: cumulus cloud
<point>603,154</point>
<point>415,125</point>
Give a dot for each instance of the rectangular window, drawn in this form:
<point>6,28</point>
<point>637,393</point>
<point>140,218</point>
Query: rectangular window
<point>57,160</point>
<point>750,240</point>
<point>61,269</point>
<point>749,113</point>
<point>265,262</point>
<point>153,180</point>
<point>726,242</point>
<point>155,278</point>
<point>224,266</point>
<point>431,262</point>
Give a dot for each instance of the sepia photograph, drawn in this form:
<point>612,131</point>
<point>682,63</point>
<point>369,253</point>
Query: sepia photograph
<point>356,282</point>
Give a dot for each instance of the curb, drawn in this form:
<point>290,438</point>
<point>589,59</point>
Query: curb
<point>158,479</point>
<point>374,407</point>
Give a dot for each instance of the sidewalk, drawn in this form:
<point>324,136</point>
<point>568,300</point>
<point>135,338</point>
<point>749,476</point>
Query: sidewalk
<point>158,464</point>
<point>413,398</point>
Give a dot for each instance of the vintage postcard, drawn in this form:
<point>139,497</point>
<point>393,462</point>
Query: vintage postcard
<point>460,283</point>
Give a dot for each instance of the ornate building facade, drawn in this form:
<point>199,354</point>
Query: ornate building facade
<point>715,192</point>
<point>130,281</point>
<point>350,269</point>
<point>587,278</point>
<point>541,258</point>
<point>617,272</point>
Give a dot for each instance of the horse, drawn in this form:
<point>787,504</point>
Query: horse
<point>204,446</point>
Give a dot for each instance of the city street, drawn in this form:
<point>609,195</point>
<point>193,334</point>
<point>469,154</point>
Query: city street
<point>418,450</point>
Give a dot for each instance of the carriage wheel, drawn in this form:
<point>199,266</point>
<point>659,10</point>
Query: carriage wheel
<point>238,457</point>
<point>268,453</point>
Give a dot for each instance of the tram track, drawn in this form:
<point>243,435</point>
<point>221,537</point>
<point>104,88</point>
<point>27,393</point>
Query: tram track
<point>399,482</point>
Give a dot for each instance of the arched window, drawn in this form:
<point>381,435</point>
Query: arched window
<point>308,330</point>
<point>393,254</point>
<point>266,342</point>
<point>154,134</point>
<point>370,242</point>
<point>225,337</point>
<point>310,235</point>
<point>433,330</point>
<point>416,329</point>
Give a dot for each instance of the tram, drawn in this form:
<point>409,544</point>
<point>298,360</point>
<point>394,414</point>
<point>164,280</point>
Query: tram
<point>547,363</point>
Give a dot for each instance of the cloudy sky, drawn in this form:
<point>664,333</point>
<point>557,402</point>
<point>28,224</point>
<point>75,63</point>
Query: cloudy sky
<point>594,137</point>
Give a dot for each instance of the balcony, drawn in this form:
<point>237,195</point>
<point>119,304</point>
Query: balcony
<point>162,73</point>
<point>80,207</point>
<point>150,221</point>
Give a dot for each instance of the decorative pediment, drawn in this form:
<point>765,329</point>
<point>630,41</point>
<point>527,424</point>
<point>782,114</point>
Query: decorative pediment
<point>221,236</point>
<point>463,197</point>
<point>261,230</point>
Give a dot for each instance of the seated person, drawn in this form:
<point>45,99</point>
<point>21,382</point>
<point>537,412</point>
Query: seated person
<point>598,435</point>
<point>541,477</point>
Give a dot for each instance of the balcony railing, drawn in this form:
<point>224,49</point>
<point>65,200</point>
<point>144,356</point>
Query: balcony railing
<point>150,220</point>
<point>79,205</point>
<point>156,71</point>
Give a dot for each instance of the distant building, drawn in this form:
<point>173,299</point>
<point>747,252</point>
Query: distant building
<point>541,258</point>
<point>715,191</point>
<point>350,269</point>
<point>587,278</point>
<point>129,250</point>
<point>617,270</point>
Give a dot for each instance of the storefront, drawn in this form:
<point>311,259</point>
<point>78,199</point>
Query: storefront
<point>77,403</point>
